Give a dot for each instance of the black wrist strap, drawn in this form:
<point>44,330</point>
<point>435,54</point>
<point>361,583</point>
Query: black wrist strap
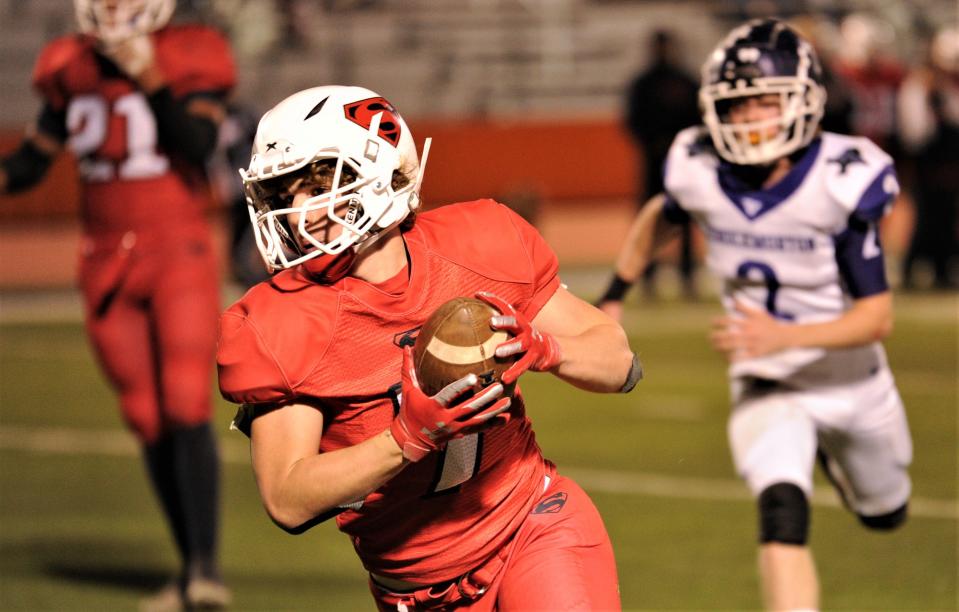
<point>635,375</point>
<point>616,290</point>
<point>25,167</point>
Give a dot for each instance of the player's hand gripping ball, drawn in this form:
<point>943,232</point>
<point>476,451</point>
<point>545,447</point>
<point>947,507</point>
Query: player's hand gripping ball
<point>458,340</point>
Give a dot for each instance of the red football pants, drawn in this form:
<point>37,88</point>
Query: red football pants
<point>152,304</point>
<point>560,559</point>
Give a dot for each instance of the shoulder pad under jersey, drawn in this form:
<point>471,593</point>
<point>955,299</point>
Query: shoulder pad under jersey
<point>502,246</point>
<point>691,159</point>
<point>261,353</point>
<point>195,58</point>
<point>65,65</point>
<point>859,175</point>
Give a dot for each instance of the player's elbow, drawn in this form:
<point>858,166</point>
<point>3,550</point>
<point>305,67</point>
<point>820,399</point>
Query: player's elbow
<point>295,520</point>
<point>625,358</point>
<point>282,515</point>
<point>625,366</point>
<point>882,324</point>
<point>287,517</point>
<point>875,317</point>
<point>281,507</point>
<point>884,328</point>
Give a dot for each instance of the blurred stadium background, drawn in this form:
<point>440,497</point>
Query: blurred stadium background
<point>524,100</point>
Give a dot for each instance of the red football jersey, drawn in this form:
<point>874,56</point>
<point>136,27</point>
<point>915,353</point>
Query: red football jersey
<point>129,182</point>
<point>339,347</point>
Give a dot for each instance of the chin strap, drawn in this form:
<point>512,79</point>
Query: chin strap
<point>327,269</point>
<point>422,169</point>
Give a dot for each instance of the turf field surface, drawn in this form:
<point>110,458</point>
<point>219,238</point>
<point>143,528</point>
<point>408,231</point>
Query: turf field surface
<point>79,528</point>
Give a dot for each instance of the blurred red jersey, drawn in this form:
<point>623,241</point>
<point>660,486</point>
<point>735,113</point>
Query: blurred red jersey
<point>339,347</point>
<point>129,182</point>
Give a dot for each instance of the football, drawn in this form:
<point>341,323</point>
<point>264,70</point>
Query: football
<point>457,340</point>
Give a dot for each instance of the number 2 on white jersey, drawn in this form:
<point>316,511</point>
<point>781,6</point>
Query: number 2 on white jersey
<point>769,280</point>
<point>88,120</point>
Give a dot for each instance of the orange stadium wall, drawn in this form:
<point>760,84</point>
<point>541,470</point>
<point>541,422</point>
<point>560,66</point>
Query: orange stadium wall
<point>576,176</point>
<point>558,161</point>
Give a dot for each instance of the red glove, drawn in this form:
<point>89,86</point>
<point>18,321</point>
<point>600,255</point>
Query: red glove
<point>541,350</point>
<point>425,424</point>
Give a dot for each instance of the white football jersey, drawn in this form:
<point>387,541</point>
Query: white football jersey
<point>802,249</point>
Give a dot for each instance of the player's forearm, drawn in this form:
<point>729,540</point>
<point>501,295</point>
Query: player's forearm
<point>649,232</point>
<point>869,320</point>
<point>319,483</point>
<point>599,359</point>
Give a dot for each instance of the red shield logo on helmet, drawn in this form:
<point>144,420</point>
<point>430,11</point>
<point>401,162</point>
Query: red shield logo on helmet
<point>362,112</point>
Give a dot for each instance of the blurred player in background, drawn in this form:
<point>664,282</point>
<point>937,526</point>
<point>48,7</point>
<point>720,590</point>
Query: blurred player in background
<point>138,103</point>
<point>661,101</point>
<point>447,499</point>
<point>790,215</point>
<point>232,152</point>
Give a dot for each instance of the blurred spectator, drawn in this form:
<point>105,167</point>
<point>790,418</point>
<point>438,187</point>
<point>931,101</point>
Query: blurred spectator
<point>823,34</point>
<point>293,18</point>
<point>525,200</point>
<point>233,152</point>
<point>872,76</point>
<point>661,101</point>
<point>837,116</point>
<point>929,129</point>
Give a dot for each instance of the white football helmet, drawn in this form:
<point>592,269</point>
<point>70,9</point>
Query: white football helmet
<point>354,128</point>
<point>764,56</point>
<point>116,20</point>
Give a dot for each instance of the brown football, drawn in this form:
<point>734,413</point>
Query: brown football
<point>457,340</point>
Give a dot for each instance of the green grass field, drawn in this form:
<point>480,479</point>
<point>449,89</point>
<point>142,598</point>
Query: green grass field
<point>79,528</point>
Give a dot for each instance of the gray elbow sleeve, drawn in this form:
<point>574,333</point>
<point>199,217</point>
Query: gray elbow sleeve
<point>635,375</point>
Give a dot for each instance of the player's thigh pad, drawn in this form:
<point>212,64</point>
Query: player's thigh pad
<point>185,307</point>
<point>562,557</point>
<point>772,440</point>
<point>873,449</point>
<point>122,341</point>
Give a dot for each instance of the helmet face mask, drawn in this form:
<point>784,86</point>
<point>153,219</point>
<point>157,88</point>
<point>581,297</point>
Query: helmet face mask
<point>112,21</point>
<point>326,223</point>
<point>762,58</point>
<point>350,147</point>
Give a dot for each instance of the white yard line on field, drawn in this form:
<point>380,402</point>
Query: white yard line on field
<point>687,487</point>
<point>71,441</point>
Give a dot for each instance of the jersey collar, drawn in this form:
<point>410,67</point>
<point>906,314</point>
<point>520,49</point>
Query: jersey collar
<point>393,298</point>
<point>387,300</point>
<point>754,203</point>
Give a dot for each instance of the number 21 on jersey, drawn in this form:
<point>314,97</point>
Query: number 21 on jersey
<point>89,120</point>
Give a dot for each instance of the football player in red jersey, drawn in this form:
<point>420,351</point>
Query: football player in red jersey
<point>447,499</point>
<point>138,103</point>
